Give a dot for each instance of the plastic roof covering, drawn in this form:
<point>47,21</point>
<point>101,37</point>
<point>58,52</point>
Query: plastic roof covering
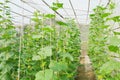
<point>80,6</point>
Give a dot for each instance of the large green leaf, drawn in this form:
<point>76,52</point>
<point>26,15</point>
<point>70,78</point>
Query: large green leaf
<point>105,15</point>
<point>36,57</point>
<point>44,75</point>
<point>58,66</point>
<point>116,33</point>
<point>43,53</point>
<point>110,66</point>
<point>115,41</point>
<point>67,55</point>
<point>113,48</point>
<point>46,51</point>
<point>116,19</point>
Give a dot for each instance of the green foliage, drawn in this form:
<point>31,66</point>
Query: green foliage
<point>103,41</point>
<point>44,75</point>
<point>8,44</point>
<point>67,55</point>
<point>61,23</point>
<point>48,52</point>
<point>58,66</point>
<point>114,40</point>
<point>109,67</point>
<point>56,6</point>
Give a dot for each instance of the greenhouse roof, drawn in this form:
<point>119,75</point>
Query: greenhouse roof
<point>22,10</point>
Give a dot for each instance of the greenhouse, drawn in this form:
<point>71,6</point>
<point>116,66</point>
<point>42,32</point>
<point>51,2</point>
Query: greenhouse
<point>59,39</point>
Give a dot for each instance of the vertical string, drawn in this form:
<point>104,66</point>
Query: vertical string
<point>56,39</point>
<point>19,55</point>
<point>50,36</point>
<point>42,39</point>
<point>57,36</point>
<point>20,43</point>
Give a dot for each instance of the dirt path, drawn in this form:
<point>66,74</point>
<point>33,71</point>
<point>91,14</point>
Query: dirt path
<point>85,71</point>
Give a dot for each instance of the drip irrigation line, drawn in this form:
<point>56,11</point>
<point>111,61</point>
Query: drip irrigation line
<point>16,13</point>
<point>21,7</point>
<point>52,9</point>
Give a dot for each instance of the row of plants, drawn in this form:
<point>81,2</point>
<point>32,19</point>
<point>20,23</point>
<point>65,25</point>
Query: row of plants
<point>104,43</point>
<point>41,52</point>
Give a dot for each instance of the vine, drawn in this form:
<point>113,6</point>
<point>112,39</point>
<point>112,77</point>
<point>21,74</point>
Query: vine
<point>104,43</point>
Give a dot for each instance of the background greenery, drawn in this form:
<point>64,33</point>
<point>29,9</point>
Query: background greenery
<point>51,51</point>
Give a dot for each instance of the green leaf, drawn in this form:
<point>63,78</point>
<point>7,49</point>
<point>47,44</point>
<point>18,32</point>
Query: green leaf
<point>36,13</point>
<point>61,23</point>
<point>48,74</point>
<point>36,57</point>
<point>50,15</point>
<point>36,36</point>
<point>36,19</point>
<point>112,5</point>
<point>44,75</point>
<point>59,5</point>
<point>58,66</point>
<point>105,15</point>
<point>110,66</point>
<point>47,29</point>
<point>113,48</point>
<point>117,33</point>
<point>46,51</point>
<point>92,15</point>
<point>1,3</point>
<point>56,6</point>
<point>104,26</point>
<point>67,55</point>
<point>115,41</point>
<point>116,19</point>
<point>43,53</point>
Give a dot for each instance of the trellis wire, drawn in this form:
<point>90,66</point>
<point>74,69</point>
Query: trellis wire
<point>20,7</point>
<point>16,13</point>
<point>52,9</point>
<point>74,11</point>
<point>64,7</point>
